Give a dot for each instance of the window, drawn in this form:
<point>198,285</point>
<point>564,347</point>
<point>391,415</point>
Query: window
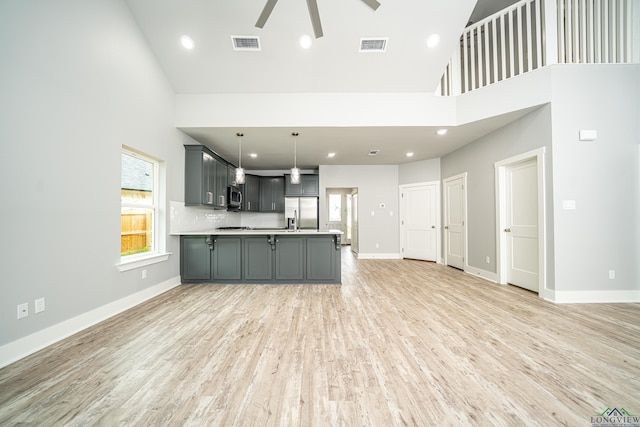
<point>335,207</point>
<point>139,205</point>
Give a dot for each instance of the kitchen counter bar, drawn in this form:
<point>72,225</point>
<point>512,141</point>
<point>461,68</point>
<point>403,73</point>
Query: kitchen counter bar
<point>261,256</point>
<point>256,232</point>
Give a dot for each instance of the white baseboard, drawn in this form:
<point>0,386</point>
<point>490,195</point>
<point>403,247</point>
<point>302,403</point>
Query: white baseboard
<point>25,346</point>
<point>592,296</point>
<point>483,274</point>
<point>378,256</point>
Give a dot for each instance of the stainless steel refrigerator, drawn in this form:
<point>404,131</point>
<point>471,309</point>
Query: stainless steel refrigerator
<point>304,209</point>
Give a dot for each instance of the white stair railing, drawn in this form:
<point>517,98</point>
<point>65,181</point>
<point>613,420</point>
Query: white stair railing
<point>533,33</point>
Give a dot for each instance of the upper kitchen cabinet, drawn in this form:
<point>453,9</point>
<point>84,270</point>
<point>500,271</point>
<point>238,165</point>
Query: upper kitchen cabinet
<point>272,194</point>
<point>309,186</point>
<point>205,178</point>
<point>251,193</point>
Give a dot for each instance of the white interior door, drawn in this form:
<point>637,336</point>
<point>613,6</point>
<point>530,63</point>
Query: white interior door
<point>354,222</point>
<point>418,221</point>
<point>521,225</point>
<point>455,212</point>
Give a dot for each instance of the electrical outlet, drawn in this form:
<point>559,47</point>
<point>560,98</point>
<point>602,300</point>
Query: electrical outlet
<point>377,246</point>
<point>487,260</point>
<point>612,274</point>
<point>39,305</point>
<point>144,274</point>
<point>23,310</point>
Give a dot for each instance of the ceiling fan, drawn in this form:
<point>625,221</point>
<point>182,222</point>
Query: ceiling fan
<point>312,5</point>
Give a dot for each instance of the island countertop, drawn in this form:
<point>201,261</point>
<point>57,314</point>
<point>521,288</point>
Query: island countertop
<point>255,232</point>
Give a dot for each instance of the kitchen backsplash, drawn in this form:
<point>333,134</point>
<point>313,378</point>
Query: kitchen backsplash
<point>193,218</point>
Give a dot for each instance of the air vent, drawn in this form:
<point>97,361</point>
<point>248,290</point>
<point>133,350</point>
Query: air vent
<point>373,45</point>
<point>246,43</point>
<point>374,152</point>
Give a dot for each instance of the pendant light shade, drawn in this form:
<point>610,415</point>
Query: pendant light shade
<point>295,172</point>
<point>239,171</point>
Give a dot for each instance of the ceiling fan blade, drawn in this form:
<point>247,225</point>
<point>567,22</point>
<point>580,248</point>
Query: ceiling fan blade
<point>262,19</point>
<point>315,18</point>
<point>373,4</point>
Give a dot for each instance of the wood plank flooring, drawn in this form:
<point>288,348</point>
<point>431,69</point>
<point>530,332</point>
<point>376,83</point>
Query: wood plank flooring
<point>399,343</point>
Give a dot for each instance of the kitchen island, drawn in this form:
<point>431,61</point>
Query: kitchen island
<point>260,256</point>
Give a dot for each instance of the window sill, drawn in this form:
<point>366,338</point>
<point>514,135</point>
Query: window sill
<point>142,261</point>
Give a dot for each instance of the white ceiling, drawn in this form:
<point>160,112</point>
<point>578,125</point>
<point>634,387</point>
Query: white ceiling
<point>332,65</point>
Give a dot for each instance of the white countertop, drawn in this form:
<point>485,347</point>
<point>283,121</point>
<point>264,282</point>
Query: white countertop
<point>278,231</point>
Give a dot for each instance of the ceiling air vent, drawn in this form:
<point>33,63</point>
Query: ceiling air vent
<point>374,152</point>
<point>246,43</point>
<point>373,45</point>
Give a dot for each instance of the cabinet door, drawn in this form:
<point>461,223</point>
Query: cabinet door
<point>220,184</point>
<point>251,194</point>
<point>195,258</point>
<point>231,174</point>
<point>290,258</point>
<point>278,194</point>
<point>322,257</point>
<point>293,190</point>
<point>208,179</point>
<point>257,258</point>
<point>227,258</point>
<point>310,185</point>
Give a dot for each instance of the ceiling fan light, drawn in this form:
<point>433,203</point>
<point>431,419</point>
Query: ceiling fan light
<point>295,176</point>
<point>306,41</point>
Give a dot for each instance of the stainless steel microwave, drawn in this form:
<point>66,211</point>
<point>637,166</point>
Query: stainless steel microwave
<point>234,198</point>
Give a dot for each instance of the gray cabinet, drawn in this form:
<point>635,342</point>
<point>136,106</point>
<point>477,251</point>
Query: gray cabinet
<point>323,259</point>
<point>205,178</point>
<point>251,193</point>
<point>289,258</point>
<point>258,259</point>
<point>195,258</point>
<point>227,258</point>
<point>309,186</point>
<point>272,194</point>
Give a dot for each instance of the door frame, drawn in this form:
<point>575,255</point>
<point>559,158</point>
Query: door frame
<point>445,208</point>
<point>501,216</point>
<point>403,214</point>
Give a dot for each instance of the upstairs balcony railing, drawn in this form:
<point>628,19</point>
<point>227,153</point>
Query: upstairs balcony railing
<point>534,33</point>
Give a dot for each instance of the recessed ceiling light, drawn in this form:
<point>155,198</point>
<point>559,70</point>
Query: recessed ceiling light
<point>305,41</point>
<point>433,40</point>
<point>373,152</point>
<point>331,155</point>
<point>253,155</point>
<point>442,131</point>
<point>187,42</point>
<point>409,154</point>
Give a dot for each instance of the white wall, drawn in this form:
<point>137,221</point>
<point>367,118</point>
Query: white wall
<point>417,172</point>
<point>77,82</point>
<point>602,177</point>
<point>376,185</point>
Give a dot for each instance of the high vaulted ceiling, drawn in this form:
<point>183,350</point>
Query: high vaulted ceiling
<point>333,64</point>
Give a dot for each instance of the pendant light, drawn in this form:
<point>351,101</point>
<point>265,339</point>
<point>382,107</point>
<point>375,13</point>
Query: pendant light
<point>295,172</point>
<point>239,170</point>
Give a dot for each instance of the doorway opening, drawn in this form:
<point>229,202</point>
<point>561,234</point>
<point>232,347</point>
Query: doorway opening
<point>342,204</point>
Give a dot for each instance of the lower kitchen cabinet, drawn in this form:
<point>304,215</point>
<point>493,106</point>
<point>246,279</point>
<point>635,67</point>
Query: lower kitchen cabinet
<point>322,258</point>
<point>258,258</point>
<point>195,258</point>
<point>227,258</point>
<point>290,258</point>
<point>273,258</point>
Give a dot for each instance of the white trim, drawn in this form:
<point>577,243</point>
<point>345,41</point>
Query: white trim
<point>564,297</point>
<point>483,274</point>
<point>436,185</point>
<point>500,167</point>
<point>131,263</point>
<point>379,256</point>
<point>25,346</point>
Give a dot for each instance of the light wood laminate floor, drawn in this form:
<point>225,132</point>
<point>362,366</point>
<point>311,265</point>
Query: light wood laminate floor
<point>399,343</point>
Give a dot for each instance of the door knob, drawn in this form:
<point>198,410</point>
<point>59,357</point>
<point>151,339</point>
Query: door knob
<point>507,230</point>
<point>446,227</point>
<point>433,226</point>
